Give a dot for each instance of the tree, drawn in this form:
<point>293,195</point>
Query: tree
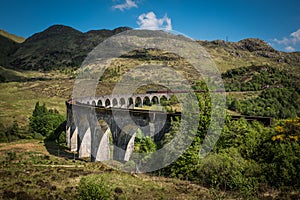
<point>44,121</point>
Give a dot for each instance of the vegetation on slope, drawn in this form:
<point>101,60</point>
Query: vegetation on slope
<point>32,169</point>
<point>250,161</point>
<point>57,47</point>
<point>61,46</point>
<point>279,91</point>
<point>249,52</point>
<point>249,158</point>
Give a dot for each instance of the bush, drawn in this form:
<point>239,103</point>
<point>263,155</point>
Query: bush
<point>94,187</point>
<point>281,164</point>
<point>144,145</point>
<point>280,155</point>
<point>228,170</point>
<point>10,133</point>
<point>45,122</point>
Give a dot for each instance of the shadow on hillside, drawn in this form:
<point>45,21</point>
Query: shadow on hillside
<point>59,150</point>
<point>55,147</point>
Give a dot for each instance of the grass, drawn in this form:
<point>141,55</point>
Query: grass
<point>17,100</point>
<point>35,169</point>
<point>18,97</point>
<point>244,95</point>
<point>35,172</point>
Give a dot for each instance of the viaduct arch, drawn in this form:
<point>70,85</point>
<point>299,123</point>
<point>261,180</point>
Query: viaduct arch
<point>122,116</point>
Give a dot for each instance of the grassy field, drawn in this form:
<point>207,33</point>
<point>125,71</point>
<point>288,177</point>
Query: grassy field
<point>36,169</point>
<point>24,88</point>
<point>17,99</point>
<point>32,169</point>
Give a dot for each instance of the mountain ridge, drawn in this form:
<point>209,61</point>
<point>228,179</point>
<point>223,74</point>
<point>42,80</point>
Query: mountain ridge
<point>61,46</point>
<point>12,37</point>
<point>58,46</point>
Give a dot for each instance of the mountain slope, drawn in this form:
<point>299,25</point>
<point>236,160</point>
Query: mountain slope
<point>62,46</point>
<point>12,37</point>
<point>274,93</point>
<point>57,47</point>
<point>248,52</point>
<point>7,47</point>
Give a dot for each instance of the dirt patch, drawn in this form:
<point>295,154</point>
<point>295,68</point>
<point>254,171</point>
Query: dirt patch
<point>23,147</point>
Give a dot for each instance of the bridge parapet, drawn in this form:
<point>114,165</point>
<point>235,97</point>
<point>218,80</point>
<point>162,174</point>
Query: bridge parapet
<point>124,100</point>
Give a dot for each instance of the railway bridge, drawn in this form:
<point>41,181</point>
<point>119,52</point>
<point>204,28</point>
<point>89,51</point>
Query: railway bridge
<point>95,123</point>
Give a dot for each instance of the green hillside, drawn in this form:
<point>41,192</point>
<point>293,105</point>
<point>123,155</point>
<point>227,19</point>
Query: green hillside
<point>61,46</point>
<point>250,160</point>
<point>12,37</point>
<point>57,47</point>
<point>273,92</point>
<point>249,52</point>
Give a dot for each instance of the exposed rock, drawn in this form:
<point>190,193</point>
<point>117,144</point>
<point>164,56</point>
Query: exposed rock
<point>252,44</point>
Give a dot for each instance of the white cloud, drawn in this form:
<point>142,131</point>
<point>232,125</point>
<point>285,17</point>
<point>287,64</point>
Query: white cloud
<point>126,6</point>
<point>151,22</point>
<point>289,42</point>
<point>284,41</point>
<point>290,48</point>
<point>296,36</point>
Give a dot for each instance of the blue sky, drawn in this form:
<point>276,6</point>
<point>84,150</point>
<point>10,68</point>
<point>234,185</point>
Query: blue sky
<point>276,22</point>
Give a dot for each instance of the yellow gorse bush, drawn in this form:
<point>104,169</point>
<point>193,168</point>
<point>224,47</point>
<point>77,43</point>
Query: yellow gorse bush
<point>288,129</point>
<point>278,137</point>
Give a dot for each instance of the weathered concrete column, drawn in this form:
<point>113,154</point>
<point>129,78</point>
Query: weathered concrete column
<point>100,147</point>
<point>83,131</point>
<point>152,129</point>
<point>85,143</point>
<point>130,148</point>
<point>68,136</point>
<point>73,137</point>
<point>68,125</point>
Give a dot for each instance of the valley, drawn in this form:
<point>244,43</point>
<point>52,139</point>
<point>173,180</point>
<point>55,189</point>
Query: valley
<point>249,161</point>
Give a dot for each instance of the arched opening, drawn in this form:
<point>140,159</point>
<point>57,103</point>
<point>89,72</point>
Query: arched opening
<point>163,101</point>
<point>107,103</point>
<point>138,102</point>
<point>155,100</point>
<point>130,102</point>
<point>147,101</point>
<point>122,103</point>
<point>93,103</point>
<point>143,143</point>
<point>127,135</point>
<point>88,103</point>
<point>173,100</point>
<point>115,102</point>
<point>99,103</point>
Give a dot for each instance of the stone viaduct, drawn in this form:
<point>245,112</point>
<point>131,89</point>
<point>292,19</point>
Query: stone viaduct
<point>105,127</point>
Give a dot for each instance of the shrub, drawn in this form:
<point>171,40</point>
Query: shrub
<point>94,187</point>
<point>144,145</point>
<point>228,170</point>
<point>43,121</point>
<point>280,155</point>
